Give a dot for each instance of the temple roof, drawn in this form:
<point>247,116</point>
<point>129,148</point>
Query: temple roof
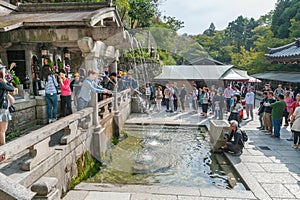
<point>291,77</point>
<point>286,53</point>
<point>63,24</point>
<point>60,14</point>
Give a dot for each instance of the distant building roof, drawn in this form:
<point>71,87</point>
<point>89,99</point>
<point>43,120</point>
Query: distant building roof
<point>198,72</point>
<point>205,61</point>
<point>234,74</point>
<point>291,77</point>
<point>289,53</point>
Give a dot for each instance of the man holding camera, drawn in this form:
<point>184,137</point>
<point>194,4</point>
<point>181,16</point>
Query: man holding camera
<point>234,140</point>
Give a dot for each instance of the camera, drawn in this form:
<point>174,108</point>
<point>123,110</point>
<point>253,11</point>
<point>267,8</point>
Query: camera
<point>226,135</point>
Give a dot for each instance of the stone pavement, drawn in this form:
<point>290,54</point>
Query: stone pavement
<point>269,167</point>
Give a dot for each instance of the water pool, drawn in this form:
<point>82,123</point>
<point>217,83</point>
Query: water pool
<point>166,155</point>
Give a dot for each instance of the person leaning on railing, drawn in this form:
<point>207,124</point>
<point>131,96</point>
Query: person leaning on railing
<point>88,86</point>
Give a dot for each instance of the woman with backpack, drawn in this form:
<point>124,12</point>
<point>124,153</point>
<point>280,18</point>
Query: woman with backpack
<point>50,84</point>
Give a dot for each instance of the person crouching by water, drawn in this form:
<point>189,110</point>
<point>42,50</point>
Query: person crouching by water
<point>88,86</point>
<point>5,101</point>
<point>234,143</point>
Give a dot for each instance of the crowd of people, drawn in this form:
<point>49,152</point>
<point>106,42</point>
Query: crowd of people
<point>280,107</point>
<point>277,106</point>
<point>203,100</point>
<point>80,88</point>
<point>57,82</point>
<point>237,102</point>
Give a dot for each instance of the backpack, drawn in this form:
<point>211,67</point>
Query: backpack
<point>244,136</point>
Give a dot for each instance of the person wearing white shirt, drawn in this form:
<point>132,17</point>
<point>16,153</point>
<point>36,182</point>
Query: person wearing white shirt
<point>249,99</point>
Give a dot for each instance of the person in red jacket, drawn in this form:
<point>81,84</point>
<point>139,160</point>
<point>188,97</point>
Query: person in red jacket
<point>65,95</point>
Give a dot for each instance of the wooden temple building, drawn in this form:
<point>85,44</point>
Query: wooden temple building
<point>88,35</point>
<point>289,53</point>
<point>82,35</point>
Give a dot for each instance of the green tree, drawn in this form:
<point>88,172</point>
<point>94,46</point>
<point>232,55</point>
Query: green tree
<point>141,13</point>
<point>285,11</point>
<point>123,7</point>
<point>239,30</point>
<point>210,31</point>
<point>266,20</point>
<point>294,29</point>
<point>172,23</point>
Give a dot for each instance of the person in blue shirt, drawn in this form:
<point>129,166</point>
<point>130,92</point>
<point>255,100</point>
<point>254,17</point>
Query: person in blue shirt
<point>89,85</point>
<point>132,83</point>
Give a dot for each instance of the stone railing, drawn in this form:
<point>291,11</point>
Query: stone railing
<point>42,163</point>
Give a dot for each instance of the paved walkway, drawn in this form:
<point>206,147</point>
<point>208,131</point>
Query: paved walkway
<point>270,168</point>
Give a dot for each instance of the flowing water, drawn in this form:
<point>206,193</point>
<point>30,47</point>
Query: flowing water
<point>165,155</point>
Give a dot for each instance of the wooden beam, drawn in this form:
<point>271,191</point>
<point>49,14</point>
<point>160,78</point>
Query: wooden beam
<point>43,35</point>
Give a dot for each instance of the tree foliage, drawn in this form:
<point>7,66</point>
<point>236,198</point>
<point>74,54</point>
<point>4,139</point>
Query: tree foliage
<point>172,23</point>
<point>285,11</point>
<point>243,43</point>
<point>295,28</point>
<point>210,31</point>
<point>141,12</point>
<point>240,30</point>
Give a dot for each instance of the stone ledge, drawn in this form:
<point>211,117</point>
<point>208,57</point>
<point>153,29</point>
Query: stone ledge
<point>248,178</point>
<point>12,190</point>
<point>165,190</point>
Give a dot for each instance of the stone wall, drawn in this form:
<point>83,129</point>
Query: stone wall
<point>29,113</point>
<point>25,116</point>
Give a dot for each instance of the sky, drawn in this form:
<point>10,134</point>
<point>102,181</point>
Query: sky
<point>198,14</point>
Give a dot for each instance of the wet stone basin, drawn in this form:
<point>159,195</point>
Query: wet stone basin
<point>169,156</point>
